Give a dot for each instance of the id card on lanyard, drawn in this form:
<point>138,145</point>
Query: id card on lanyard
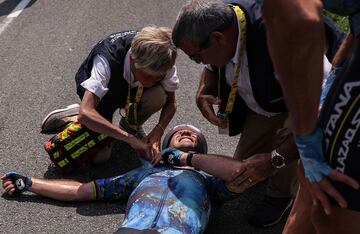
<point>234,86</point>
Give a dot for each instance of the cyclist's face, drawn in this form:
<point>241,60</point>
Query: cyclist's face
<point>184,140</point>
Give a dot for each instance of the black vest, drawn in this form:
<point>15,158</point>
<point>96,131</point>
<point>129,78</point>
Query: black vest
<point>114,49</point>
<point>266,88</point>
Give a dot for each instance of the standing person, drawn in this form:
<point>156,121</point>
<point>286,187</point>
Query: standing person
<point>131,71</point>
<point>338,128</point>
<point>160,199</point>
<point>232,40</point>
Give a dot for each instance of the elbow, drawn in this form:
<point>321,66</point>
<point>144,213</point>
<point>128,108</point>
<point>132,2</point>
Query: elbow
<point>306,30</point>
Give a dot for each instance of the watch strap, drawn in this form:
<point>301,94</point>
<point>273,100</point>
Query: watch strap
<point>189,158</point>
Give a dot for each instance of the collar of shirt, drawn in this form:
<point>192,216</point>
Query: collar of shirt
<point>236,56</point>
<point>128,76</point>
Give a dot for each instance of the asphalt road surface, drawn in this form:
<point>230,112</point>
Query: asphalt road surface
<point>40,51</point>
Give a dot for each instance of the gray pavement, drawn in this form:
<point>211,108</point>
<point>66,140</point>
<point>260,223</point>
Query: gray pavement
<point>40,52</point>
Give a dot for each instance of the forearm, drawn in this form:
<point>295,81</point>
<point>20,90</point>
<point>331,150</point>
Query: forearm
<point>220,166</point>
<point>296,45</point>
<point>285,145</point>
<point>89,117</point>
<point>95,122</point>
<point>168,111</point>
<point>207,85</point>
<point>62,190</point>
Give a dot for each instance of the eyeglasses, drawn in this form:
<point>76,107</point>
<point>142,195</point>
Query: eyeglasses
<point>204,45</point>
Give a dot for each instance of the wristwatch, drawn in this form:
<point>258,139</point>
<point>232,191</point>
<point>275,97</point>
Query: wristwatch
<point>277,160</point>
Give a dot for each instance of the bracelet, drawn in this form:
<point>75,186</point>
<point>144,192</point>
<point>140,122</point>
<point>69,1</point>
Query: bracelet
<point>189,158</point>
<point>160,127</point>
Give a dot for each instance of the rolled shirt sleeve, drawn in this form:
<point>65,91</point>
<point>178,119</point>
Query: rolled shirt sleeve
<point>100,77</point>
<point>171,82</point>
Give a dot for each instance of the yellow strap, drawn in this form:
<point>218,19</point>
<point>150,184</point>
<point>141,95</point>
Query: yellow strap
<point>139,92</point>
<point>242,21</point>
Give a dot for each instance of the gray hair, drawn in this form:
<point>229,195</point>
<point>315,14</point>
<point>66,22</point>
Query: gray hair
<point>152,49</point>
<point>198,18</point>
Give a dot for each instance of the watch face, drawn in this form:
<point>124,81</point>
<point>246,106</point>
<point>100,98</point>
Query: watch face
<point>278,161</point>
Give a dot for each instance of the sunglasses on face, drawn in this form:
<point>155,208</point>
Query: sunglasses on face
<point>204,45</point>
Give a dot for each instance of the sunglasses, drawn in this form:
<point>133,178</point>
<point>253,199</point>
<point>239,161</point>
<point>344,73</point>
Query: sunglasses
<point>204,45</point>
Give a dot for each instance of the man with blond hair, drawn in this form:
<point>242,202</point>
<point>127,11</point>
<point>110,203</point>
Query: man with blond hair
<point>131,71</point>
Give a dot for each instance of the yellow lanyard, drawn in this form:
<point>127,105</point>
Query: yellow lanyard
<point>139,92</point>
<point>242,22</point>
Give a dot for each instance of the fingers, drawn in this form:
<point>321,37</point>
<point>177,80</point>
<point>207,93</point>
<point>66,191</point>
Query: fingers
<point>211,100</point>
<point>8,186</point>
<point>319,190</point>
<point>238,171</point>
<point>154,151</point>
<point>330,189</point>
<point>318,193</point>
<point>243,183</point>
<point>155,161</point>
<point>243,180</point>
<point>150,152</point>
<point>208,112</point>
<point>340,177</point>
<point>207,102</point>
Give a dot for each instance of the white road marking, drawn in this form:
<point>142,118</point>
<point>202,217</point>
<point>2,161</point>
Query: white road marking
<point>15,13</point>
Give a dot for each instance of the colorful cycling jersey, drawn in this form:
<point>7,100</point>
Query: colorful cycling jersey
<point>165,199</point>
<point>340,120</point>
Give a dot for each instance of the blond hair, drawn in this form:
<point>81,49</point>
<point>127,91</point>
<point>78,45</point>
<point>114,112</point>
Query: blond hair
<point>152,49</point>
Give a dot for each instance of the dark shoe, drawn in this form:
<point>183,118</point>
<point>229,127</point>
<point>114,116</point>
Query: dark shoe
<point>270,211</point>
<point>57,120</point>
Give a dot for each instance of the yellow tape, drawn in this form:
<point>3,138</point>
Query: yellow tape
<point>62,163</point>
<point>101,137</point>
<point>56,154</point>
<point>83,149</point>
<point>234,85</point>
<point>139,92</point>
<point>76,141</point>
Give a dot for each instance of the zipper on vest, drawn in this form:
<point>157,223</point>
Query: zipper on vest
<point>163,200</point>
